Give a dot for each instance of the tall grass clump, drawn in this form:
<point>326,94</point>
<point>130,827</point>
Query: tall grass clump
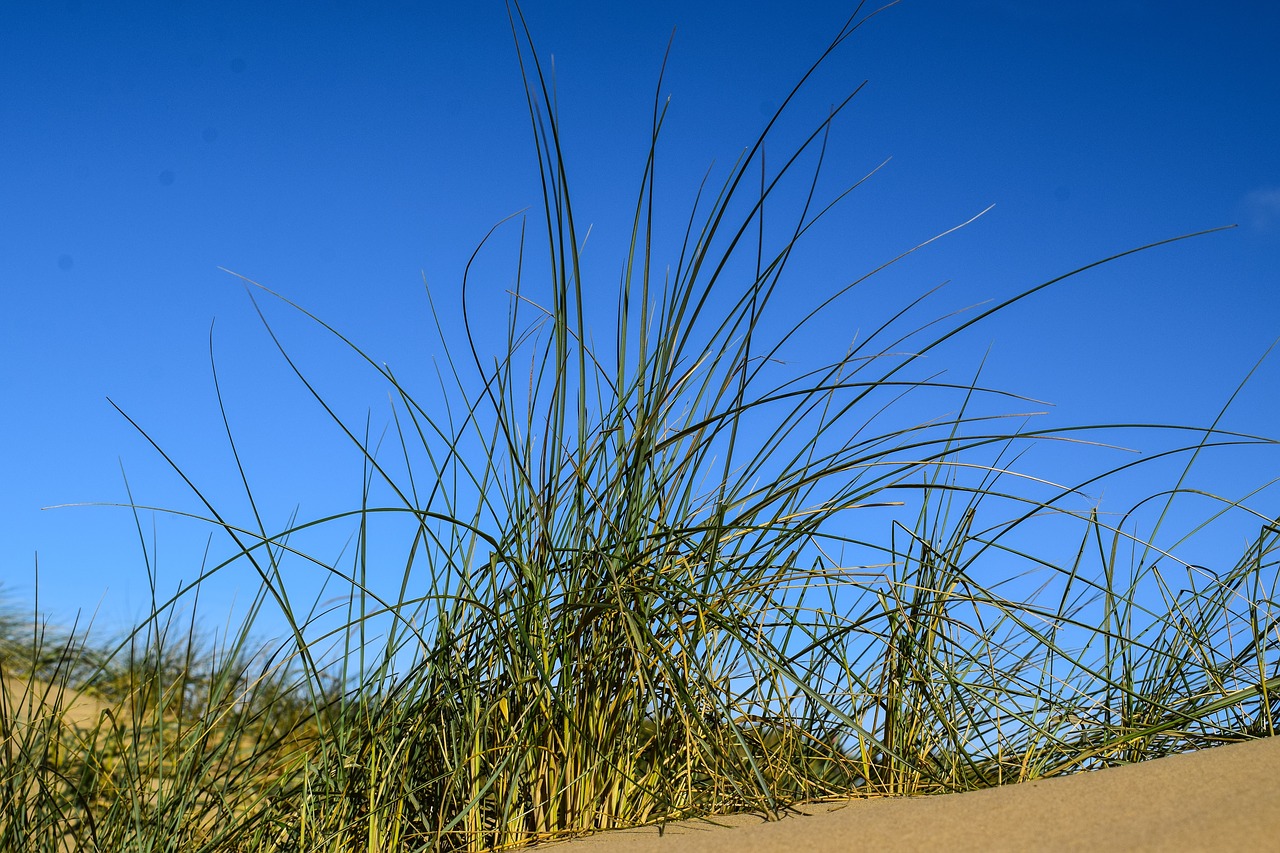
<point>671,574</point>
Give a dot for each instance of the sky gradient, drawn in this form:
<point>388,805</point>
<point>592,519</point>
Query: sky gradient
<point>340,152</point>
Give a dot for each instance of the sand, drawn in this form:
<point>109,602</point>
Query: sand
<point>1226,798</point>
<point>27,698</point>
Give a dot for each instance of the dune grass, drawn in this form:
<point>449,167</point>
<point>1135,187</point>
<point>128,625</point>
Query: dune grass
<point>664,576</point>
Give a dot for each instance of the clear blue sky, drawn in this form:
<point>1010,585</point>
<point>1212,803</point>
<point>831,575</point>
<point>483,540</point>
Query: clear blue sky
<point>338,151</point>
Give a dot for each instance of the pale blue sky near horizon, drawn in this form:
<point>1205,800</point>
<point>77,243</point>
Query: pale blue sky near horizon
<point>338,152</point>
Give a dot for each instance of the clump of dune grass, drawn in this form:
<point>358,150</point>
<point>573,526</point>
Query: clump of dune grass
<point>669,575</point>
<point>163,739</point>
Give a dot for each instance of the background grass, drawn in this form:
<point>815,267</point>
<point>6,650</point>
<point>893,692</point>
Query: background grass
<point>659,575</point>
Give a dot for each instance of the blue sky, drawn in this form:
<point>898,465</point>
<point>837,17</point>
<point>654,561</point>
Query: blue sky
<point>337,152</point>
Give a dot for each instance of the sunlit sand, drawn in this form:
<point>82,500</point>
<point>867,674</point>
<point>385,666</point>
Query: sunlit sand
<point>1226,798</point>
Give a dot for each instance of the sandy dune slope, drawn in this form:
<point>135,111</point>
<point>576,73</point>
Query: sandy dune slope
<point>1227,798</point>
<point>23,697</point>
